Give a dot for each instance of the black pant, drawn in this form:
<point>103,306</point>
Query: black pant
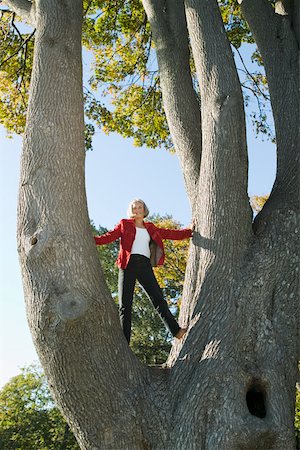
<point>139,268</point>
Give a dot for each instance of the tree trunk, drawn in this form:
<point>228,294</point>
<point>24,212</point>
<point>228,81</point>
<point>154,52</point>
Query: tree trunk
<point>231,383</point>
<point>73,320</point>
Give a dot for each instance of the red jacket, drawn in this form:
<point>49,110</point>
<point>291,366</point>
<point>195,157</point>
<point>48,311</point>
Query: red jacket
<point>126,231</point>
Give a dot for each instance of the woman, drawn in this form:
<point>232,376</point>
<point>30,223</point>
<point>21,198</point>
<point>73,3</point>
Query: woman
<point>141,247</point>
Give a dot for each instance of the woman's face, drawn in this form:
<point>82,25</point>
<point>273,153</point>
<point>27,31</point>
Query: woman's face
<point>138,210</point>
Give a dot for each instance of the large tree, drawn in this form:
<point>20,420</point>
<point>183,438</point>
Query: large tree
<point>230,384</point>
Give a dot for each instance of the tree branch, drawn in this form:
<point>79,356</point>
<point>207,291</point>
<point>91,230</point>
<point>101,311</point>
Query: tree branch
<point>72,318</point>
<point>224,140</point>
<point>280,44</point>
<point>181,104</point>
<point>15,27</point>
<point>23,9</point>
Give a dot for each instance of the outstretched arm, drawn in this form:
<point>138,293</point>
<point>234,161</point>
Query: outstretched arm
<point>109,237</point>
<point>175,235</point>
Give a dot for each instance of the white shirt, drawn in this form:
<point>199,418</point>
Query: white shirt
<point>141,243</point>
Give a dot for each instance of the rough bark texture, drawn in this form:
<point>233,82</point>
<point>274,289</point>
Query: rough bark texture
<point>281,46</point>
<point>230,385</point>
<point>168,25</point>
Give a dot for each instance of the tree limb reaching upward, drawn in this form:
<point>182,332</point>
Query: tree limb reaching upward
<point>226,152</point>
<point>283,80</point>
<point>77,324</point>
<point>222,210</point>
<point>168,25</point>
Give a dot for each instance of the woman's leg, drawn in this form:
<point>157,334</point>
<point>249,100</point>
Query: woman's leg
<point>147,279</point>
<point>126,286</point>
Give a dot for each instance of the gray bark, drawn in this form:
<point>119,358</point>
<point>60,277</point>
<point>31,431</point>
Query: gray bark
<point>231,383</point>
<point>169,30</point>
<point>280,52</point>
<point>222,210</point>
<point>290,9</point>
<point>23,8</point>
<point>72,317</point>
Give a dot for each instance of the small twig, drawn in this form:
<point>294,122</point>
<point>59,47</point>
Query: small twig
<point>23,98</point>
<point>268,127</point>
<point>15,27</point>
<point>250,75</point>
<point>148,52</point>
<point>19,48</point>
<point>23,68</point>
<point>256,91</point>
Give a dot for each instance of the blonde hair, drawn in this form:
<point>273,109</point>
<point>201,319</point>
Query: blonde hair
<point>139,200</point>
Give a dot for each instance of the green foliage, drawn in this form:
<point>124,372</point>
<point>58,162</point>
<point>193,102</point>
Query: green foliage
<point>123,94</point>
<point>123,72</point>
<point>29,418</point>
<point>237,28</point>
<point>16,53</point>
<point>138,113</point>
